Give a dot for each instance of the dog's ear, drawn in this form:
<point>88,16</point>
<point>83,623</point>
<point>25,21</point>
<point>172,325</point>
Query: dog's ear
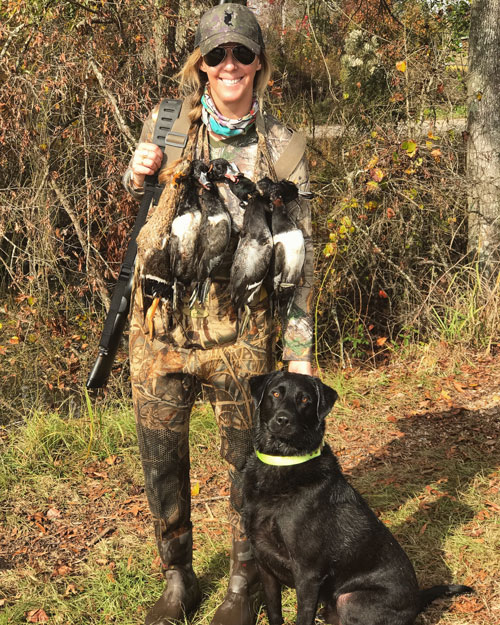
<point>258,385</point>
<point>326,398</point>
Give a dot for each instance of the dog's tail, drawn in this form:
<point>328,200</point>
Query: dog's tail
<point>428,595</point>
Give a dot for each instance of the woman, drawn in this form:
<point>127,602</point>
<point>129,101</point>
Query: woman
<point>172,354</point>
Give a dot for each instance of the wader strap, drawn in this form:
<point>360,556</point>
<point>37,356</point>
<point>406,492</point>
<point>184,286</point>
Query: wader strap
<point>293,152</point>
<point>291,156</point>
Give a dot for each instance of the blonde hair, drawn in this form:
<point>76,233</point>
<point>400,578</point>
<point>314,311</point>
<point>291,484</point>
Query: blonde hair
<point>192,80</point>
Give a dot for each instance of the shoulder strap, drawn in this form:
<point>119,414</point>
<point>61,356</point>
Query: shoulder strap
<point>293,152</point>
<point>291,156</point>
<point>172,126</point>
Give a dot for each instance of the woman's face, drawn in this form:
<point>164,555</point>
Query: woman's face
<point>231,84</point>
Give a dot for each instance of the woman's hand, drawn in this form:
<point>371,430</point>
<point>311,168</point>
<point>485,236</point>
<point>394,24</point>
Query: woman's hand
<point>300,366</point>
<point>146,161</point>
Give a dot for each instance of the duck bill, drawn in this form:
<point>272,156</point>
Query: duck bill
<point>204,181</point>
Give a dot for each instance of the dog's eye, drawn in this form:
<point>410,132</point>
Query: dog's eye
<point>276,393</point>
<point>304,400</point>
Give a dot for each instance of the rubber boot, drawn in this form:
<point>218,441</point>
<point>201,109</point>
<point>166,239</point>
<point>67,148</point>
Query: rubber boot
<point>182,594</point>
<point>243,598</point>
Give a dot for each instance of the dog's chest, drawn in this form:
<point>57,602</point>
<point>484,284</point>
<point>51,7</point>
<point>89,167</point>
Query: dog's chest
<point>271,537</point>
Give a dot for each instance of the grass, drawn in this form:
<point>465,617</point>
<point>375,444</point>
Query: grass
<point>77,540</point>
<point>455,112</point>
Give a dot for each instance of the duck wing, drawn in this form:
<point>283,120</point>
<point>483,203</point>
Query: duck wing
<point>249,269</point>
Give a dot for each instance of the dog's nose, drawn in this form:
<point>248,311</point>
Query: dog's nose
<point>282,420</point>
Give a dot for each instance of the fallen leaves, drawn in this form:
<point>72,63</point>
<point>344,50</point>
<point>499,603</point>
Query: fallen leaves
<point>97,474</point>
<point>467,605</point>
<point>135,509</point>
<point>493,505</point>
<point>410,147</point>
<point>52,514</point>
<point>37,616</point>
<point>432,439</point>
<point>71,589</point>
<point>445,395</point>
<point>377,174</point>
<point>61,571</point>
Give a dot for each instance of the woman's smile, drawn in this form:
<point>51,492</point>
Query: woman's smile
<point>230,81</point>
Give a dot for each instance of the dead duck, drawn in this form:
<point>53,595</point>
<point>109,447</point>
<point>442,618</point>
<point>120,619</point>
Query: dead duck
<point>220,170</point>
<point>288,243</point>
<point>185,230</point>
<point>152,253</point>
<point>155,287</point>
<point>213,237</point>
<point>226,171</point>
<point>252,258</point>
<point>243,188</point>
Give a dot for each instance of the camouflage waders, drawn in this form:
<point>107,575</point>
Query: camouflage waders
<point>165,377</point>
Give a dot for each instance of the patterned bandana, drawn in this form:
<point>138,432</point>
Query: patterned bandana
<point>224,126</point>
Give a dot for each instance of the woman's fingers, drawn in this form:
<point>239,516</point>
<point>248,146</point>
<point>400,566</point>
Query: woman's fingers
<point>147,159</point>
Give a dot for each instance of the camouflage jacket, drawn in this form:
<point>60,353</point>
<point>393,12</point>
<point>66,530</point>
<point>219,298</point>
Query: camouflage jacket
<point>298,334</point>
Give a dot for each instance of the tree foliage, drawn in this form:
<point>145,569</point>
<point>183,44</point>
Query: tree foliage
<point>375,85</point>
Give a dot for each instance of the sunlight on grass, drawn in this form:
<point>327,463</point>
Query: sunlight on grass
<point>96,563</point>
<point>55,443</point>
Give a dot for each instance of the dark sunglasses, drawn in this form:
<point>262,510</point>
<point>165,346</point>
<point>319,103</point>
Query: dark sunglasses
<point>241,53</point>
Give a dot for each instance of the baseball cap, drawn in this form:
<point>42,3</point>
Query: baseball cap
<point>229,23</point>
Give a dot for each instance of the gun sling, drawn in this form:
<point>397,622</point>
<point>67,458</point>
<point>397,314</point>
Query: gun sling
<point>170,134</point>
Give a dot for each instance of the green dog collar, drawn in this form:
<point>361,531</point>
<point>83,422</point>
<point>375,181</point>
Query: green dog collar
<point>287,461</point>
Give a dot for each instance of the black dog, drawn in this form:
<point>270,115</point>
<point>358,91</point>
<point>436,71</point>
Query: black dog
<point>309,528</point>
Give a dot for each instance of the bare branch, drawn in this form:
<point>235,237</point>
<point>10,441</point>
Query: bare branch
<point>96,274</point>
<point>122,125</point>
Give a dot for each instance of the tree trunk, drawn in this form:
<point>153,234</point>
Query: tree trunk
<point>172,27</point>
<point>483,134</point>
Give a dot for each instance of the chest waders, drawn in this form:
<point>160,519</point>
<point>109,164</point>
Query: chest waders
<point>164,383</point>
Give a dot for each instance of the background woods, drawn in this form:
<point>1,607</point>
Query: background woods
<point>381,91</point>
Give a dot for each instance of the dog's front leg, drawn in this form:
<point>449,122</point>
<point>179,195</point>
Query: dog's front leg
<point>307,587</point>
<point>272,596</point>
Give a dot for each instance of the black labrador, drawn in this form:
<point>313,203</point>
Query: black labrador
<point>309,528</point>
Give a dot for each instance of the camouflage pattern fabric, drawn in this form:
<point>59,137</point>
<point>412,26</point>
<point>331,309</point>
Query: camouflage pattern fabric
<point>164,384</point>
<point>228,23</point>
<point>298,333</point>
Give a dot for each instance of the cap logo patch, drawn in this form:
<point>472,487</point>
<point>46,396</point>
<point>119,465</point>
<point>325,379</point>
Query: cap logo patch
<point>228,16</point>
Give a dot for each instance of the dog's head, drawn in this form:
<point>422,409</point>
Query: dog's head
<point>290,411</point>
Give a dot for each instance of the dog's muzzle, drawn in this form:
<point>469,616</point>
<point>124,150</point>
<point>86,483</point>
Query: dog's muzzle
<point>279,424</point>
